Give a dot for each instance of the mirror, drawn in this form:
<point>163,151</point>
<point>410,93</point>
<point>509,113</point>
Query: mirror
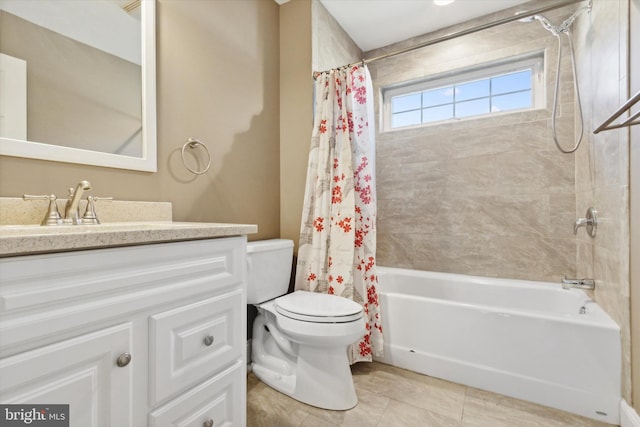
<point>77,82</point>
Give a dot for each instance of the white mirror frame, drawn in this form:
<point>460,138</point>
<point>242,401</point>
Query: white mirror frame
<point>148,161</point>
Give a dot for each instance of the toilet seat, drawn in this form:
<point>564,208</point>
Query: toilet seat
<point>318,308</point>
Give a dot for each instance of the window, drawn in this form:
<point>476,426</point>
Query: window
<point>491,88</point>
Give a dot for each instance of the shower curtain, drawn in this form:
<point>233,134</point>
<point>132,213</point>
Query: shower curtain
<point>337,247</point>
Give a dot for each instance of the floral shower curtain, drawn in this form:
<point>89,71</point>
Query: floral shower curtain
<point>338,235</point>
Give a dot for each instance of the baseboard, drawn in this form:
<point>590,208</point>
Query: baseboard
<point>628,416</point>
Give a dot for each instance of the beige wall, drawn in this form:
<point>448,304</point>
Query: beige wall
<point>602,163</point>
<point>486,196</point>
<point>310,40</point>
<point>296,115</point>
<point>217,80</point>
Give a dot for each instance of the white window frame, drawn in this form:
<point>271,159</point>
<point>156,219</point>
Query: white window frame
<point>533,61</point>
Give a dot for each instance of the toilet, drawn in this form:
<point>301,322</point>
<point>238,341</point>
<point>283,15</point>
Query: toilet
<point>300,340</point>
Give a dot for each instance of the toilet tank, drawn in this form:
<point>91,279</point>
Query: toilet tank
<point>268,269</point>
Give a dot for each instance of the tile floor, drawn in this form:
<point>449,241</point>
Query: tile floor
<point>394,397</point>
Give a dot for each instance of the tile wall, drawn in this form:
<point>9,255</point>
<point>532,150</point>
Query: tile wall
<point>602,164</point>
<point>331,45</point>
<point>486,196</point>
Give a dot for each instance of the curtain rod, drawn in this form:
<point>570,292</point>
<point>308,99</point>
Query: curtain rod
<point>521,14</point>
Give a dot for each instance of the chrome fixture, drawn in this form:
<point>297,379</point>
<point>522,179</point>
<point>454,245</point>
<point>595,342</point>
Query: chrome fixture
<point>90,216</point>
<point>588,284</point>
<point>123,360</point>
<point>557,31</point>
<point>71,209</point>
<point>192,143</point>
<point>208,340</point>
<point>53,215</point>
<point>584,307</point>
<point>631,121</point>
<point>590,222</point>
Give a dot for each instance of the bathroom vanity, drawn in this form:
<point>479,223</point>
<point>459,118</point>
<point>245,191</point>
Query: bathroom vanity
<point>130,325</point>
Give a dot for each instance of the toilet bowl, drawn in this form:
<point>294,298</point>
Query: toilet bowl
<point>300,340</point>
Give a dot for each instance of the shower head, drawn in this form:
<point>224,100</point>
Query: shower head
<point>562,28</point>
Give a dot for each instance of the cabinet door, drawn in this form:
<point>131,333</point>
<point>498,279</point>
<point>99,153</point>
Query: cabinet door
<point>81,372</point>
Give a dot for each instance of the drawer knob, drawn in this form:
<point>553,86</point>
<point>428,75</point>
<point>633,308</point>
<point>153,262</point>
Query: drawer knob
<point>123,360</point>
<point>208,423</point>
<point>208,340</point>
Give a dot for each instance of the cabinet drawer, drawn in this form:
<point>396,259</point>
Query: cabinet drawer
<point>219,399</point>
<point>192,342</point>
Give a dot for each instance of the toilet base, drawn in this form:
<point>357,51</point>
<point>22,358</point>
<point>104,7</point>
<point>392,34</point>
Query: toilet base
<point>322,378</point>
<point>317,376</point>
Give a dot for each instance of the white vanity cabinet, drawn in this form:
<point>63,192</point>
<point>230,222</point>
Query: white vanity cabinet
<point>129,336</point>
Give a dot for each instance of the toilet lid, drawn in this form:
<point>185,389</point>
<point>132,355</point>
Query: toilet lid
<point>318,308</point>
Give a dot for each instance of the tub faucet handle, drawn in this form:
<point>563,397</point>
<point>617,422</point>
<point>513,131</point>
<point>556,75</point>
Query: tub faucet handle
<point>580,222</point>
<point>590,222</point>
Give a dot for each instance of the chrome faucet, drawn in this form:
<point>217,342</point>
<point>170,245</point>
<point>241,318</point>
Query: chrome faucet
<point>588,284</point>
<point>580,222</point>
<point>71,209</point>
<point>590,222</point>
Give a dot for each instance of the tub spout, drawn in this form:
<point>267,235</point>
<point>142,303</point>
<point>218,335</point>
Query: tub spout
<point>588,284</point>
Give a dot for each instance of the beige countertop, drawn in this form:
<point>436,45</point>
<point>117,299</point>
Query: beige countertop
<point>124,223</point>
<point>35,239</point>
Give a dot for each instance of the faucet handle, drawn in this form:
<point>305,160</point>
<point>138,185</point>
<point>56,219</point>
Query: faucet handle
<point>90,216</point>
<point>53,215</point>
<point>590,222</point>
<point>580,222</point>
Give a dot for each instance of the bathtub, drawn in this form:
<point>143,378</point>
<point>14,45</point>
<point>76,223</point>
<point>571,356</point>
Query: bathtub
<point>529,340</point>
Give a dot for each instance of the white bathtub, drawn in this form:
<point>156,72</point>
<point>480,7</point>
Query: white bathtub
<point>519,338</point>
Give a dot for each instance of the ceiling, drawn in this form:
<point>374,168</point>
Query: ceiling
<point>377,23</point>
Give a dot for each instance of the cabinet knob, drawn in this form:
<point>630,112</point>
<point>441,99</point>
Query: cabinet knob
<point>208,340</point>
<point>123,360</point>
<point>208,423</point>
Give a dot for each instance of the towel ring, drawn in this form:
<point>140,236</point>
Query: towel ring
<point>193,143</point>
